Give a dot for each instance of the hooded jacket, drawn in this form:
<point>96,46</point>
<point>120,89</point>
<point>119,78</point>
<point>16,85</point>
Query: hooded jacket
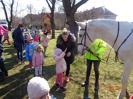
<point>97,47</point>
<point>45,41</point>
<point>60,62</point>
<point>1,28</point>
<point>38,59</point>
<point>69,44</point>
<point>18,36</point>
<point>29,51</point>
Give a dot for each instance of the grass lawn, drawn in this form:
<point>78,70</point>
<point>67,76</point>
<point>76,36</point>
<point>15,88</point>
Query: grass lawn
<point>15,85</point>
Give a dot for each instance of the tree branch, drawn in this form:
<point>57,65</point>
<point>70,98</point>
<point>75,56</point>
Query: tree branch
<point>11,12</point>
<point>75,7</point>
<point>16,10</point>
<point>67,6</point>
<point>73,3</point>
<point>50,1</point>
<point>49,4</point>
<point>4,8</point>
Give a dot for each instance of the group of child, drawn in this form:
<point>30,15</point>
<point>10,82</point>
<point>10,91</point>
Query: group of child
<point>34,53</point>
<point>35,34</point>
<point>35,57</point>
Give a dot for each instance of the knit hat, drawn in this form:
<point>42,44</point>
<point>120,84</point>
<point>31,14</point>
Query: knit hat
<point>37,87</point>
<point>37,46</point>
<point>29,38</point>
<point>57,51</point>
<point>65,32</point>
<point>65,29</point>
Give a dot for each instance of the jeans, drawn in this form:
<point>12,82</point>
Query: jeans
<point>19,48</point>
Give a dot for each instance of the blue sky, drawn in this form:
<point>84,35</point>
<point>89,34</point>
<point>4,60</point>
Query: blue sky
<point>123,8</point>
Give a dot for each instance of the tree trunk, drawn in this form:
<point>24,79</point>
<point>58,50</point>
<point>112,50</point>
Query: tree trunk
<point>52,26</point>
<point>52,20</point>
<point>73,28</point>
<point>9,26</point>
<point>72,25</point>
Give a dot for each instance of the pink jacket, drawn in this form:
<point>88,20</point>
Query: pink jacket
<point>1,28</point>
<point>60,63</point>
<point>6,35</point>
<point>38,59</point>
<point>45,41</point>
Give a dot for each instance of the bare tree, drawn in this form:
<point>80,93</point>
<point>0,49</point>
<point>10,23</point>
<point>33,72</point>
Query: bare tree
<point>30,11</point>
<point>9,18</point>
<point>18,9</point>
<point>70,8</point>
<point>51,4</point>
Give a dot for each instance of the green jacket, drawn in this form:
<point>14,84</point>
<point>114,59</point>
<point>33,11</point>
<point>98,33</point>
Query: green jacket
<point>97,47</point>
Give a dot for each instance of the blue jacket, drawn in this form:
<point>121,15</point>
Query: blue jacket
<point>18,36</point>
<point>29,51</point>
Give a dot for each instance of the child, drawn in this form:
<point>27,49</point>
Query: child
<point>6,37</point>
<point>29,50</point>
<point>38,88</point>
<point>5,30</point>
<point>36,38</point>
<point>38,60</point>
<point>45,42</point>
<point>60,67</point>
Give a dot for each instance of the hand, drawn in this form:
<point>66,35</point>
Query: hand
<point>68,54</point>
<point>95,55</point>
<point>65,50</point>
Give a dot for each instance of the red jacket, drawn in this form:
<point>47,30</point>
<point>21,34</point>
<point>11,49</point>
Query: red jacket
<point>36,38</point>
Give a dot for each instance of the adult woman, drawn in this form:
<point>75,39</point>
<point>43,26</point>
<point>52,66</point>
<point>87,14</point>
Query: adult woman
<point>5,30</point>
<point>67,40</point>
<point>19,42</point>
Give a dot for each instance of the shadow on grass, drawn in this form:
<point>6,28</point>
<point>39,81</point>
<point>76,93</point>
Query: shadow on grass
<point>15,86</point>
<point>57,92</point>
<point>49,72</point>
<point>96,96</point>
<point>10,62</point>
<point>86,93</point>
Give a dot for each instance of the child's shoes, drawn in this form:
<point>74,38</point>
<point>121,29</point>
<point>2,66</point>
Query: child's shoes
<point>57,85</point>
<point>62,88</point>
<point>67,79</point>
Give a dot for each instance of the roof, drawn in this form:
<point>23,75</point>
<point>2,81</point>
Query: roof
<point>47,15</point>
<point>103,11</point>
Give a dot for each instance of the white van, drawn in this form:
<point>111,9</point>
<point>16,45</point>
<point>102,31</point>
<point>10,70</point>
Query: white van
<point>4,23</point>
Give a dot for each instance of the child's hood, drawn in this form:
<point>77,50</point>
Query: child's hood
<point>57,51</point>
